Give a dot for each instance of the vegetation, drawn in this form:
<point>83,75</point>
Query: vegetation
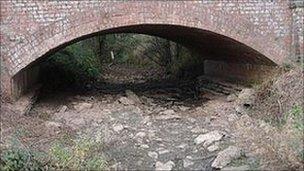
<point>280,103</point>
<point>74,64</point>
<point>84,154</point>
<point>20,157</point>
<point>82,62</point>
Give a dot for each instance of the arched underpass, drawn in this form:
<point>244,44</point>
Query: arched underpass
<point>220,56</point>
<point>164,124</point>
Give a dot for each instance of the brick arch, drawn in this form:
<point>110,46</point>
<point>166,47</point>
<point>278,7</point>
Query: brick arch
<point>188,15</point>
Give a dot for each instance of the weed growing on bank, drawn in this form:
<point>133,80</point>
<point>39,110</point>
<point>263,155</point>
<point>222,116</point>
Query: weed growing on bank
<point>84,154</point>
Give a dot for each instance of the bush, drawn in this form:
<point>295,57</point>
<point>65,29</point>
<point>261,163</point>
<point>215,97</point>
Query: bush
<point>73,65</point>
<point>18,157</point>
<point>83,155</point>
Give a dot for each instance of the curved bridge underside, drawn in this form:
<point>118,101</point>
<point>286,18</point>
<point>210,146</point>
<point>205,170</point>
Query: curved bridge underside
<point>234,32</point>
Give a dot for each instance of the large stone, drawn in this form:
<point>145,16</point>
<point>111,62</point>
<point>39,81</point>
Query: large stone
<point>77,122</point>
<point>237,168</point>
<point>118,127</point>
<point>50,124</point>
<point>82,106</point>
<point>168,112</point>
<point>226,156</point>
<point>198,130</point>
<point>247,97</point>
<point>140,135</point>
<point>213,147</point>
<point>126,101</point>
<point>231,97</point>
<point>183,108</point>
<point>164,166</point>
<point>187,162</point>
<point>208,138</point>
<point>240,109</point>
<point>63,109</point>
<point>167,117</point>
<point>53,127</point>
<point>132,96</point>
<point>153,155</point>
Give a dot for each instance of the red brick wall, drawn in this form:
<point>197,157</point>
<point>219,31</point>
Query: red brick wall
<point>297,46</point>
<point>31,28</point>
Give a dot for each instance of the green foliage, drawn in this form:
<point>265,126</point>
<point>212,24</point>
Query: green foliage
<point>81,62</point>
<point>74,64</point>
<point>122,45</point>
<point>18,157</point>
<point>61,155</point>
<point>83,155</point>
<point>297,116</point>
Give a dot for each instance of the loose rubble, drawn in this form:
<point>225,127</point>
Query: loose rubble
<point>226,156</point>
<point>208,138</point>
<point>164,166</point>
<point>148,128</point>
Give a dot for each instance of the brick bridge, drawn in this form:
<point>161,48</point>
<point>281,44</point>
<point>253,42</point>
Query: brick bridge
<point>232,36</point>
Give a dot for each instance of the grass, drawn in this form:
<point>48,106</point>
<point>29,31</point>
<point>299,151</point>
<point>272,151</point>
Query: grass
<point>20,157</point>
<point>297,116</point>
<point>279,103</point>
<point>82,154</point>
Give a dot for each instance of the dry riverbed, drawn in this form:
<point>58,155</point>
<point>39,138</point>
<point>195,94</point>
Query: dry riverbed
<point>155,128</point>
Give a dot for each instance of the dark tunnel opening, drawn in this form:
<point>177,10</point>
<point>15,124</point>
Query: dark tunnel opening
<point>216,56</point>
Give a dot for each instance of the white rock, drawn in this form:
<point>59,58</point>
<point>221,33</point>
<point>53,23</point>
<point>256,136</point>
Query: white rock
<point>132,96</point>
<point>167,117</point>
<point>238,168</point>
<point>226,156</point>
<point>118,127</point>
<point>163,151</point>
<point>192,120</point>
<point>77,122</point>
<point>168,112</point>
<point>247,97</point>
<point>182,146</point>
<point>232,117</point>
<point>231,97</point>
<point>50,124</point>
<point>213,148</point>
<point>126,101</point>
<point>198,130</point>
<point>189,157</point>
<point>63,109</point>
<point>164,166</point>
<point>240,109</point>
<point>140,135</point>
<point>53,127</point>
<point>144,146</point>
<point>153,155</point>
<point>183,108</point>
<point>82,106</point>
<point>187,163</point>
<point>208,138</point>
